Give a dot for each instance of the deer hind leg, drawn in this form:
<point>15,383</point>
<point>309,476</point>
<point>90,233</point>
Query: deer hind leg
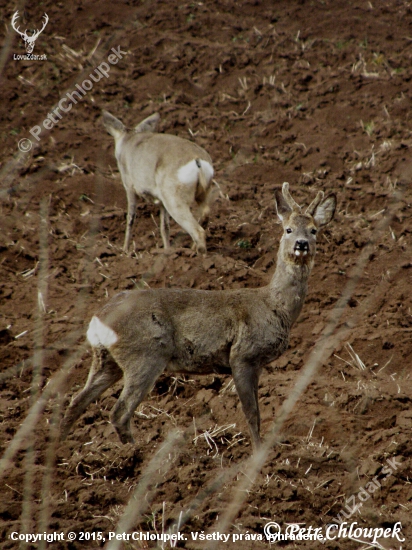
<point>99,380</point>
<point>203,210</point>
<point>165,226</point>
<point>140,376</point>
<point>182,215</point>
<point>131,213</point>
<point>246,380</point>
<point>203,206</point>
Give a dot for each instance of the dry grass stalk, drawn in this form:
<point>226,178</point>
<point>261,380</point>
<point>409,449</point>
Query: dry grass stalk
<point>38,358</point>
<point>210,434</point>
<point>357,361</point>
<point>44,513</point>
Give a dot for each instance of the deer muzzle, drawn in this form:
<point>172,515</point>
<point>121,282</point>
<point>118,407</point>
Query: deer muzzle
<point>301,247</point>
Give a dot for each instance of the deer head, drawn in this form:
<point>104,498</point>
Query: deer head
<point>298,244</point>
<point>29,40</point>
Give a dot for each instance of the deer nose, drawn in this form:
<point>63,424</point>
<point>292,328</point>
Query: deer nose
<point>301,246</point>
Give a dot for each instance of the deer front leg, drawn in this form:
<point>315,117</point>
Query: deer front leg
<point>131,213</point>
<point>164,226</point>
<point>246,379</point>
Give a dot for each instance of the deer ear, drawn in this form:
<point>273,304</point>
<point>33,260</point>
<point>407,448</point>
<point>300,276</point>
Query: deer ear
<point>325,210</point>
<point>112,124</point>
<point>149,124</point>
<point>283,209</point>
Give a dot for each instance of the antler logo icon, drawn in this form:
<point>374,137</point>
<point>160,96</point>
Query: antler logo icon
<point>29,40</point>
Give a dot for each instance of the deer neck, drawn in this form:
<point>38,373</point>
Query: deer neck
<point>289,285</point>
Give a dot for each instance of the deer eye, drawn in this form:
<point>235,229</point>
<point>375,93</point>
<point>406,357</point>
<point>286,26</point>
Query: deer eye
<point>288,230</point>
<point>313,231</point>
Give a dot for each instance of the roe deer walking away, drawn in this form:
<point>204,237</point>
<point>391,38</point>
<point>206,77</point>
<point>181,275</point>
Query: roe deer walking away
<point>173,171</point>
<point>140,334</point>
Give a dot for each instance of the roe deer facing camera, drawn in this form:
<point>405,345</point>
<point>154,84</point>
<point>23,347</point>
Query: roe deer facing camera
<point>175,172</point>
<point>140,334</point>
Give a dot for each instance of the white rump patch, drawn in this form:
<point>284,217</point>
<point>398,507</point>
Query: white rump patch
<point>189,173</point>
<point>99,334</point>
